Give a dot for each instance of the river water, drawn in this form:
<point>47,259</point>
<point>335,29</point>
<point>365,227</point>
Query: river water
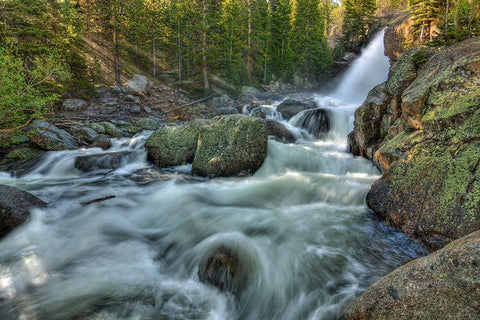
<point>306,242</point>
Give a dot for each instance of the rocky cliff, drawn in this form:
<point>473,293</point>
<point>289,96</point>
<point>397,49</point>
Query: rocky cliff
<point>422,129</point>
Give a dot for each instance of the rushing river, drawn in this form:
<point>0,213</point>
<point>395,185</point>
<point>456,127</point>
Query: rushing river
<point>306,242</point>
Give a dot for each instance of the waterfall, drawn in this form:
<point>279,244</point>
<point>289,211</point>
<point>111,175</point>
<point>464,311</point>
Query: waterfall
<point>368,70</point>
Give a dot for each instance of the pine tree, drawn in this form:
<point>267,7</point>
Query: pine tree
<point>312,54</point>
<point>281,53</point>
<point>358,16</point>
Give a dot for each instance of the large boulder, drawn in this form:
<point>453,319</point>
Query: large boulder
<point>49,137</point>
<point>442,285</point>
<point>173,146</point>
<point>15,206</point>
<point>231,145</point>
<point>290,107</point>
<point>422,129</point>
<point>137,85</point>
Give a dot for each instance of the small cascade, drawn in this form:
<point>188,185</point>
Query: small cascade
<point>315,121</point>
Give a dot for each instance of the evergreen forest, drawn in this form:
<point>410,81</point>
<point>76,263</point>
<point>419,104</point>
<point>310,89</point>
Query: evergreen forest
<point>53,47</point>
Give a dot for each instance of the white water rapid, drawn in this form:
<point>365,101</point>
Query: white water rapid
<point>305,240</point>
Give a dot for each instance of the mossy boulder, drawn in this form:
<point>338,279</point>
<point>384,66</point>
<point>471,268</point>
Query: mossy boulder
<point>231,145</point>
<point>21,160</point>
<point>424,134</point>
<point>15,206</point>
<point>442,285</point>
<point>49,137</point>
<point>175,145</point>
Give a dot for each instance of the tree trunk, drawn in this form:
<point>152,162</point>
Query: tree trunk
<point>116,56</point>
<point>154,56</point>
<point>206,84</point>
<point>249,42</point>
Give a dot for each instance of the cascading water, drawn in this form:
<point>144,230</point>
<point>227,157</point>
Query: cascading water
<point>305,241</point>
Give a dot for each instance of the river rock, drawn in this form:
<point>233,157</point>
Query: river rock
<point>74,104</point>
<point>150,123</point>
<point>83,133</point>
<point>137,85</point>
<point>112,160</point>
<point>49,137</point>
<point>291,107</point>
<point>219,268</point>
<point>173,146</point>
<point>21,160</point>
<point>442,285</point>
<point>102,141</point>
<point>423,131</point>
<point>231,145</point>
<point>15,206</point>
<point>112,130</point>
<point>279,131</point>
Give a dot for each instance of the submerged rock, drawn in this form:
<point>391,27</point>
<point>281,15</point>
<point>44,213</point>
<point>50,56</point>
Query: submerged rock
<point>231,145</point>
<point>15,206</point>
<point>49,137</point>
<point>112,160</point>
<point>219,268</point>
<point>422,129</point>
<point>442,285</point>
<point>315,121</point>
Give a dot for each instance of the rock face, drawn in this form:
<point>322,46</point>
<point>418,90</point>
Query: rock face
<point>173,146</point>
<point>422,129</point>
<point>442,285</point>
<point>15,206</point>
<point>231,145</point>
<point>49,137</point>
<point>398,33</point>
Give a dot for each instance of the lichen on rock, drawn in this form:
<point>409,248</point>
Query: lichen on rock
<point>231,145</point>
<point>425,137</point>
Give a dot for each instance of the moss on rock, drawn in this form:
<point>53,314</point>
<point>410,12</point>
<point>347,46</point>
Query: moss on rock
<point>443,285</point>
<point>430,155</point>
<point>231,145</point>
<point>173,146</point>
